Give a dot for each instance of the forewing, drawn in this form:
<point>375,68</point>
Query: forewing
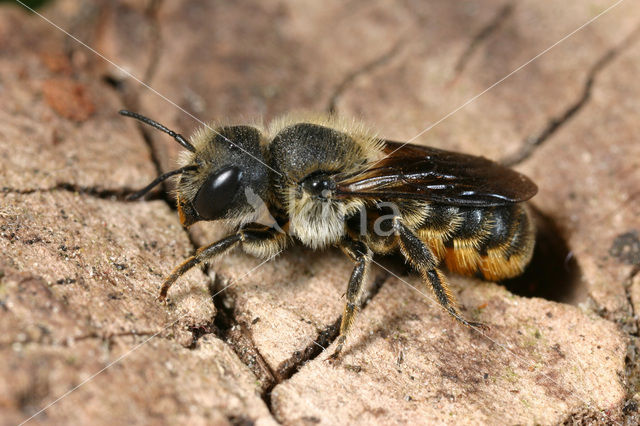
<point>420,172</point>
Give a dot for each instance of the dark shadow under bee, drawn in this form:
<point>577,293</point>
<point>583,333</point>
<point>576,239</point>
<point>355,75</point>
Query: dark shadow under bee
<point>326,182</point>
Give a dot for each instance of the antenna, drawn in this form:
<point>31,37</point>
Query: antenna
<point>159,179</point>
<point>146,120</point>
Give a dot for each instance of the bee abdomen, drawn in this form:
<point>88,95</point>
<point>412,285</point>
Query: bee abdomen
<point>463,247</point>
<point>496,242</point>
<point>510,245</point>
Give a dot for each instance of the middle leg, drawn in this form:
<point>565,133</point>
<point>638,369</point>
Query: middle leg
<point>361,255</point>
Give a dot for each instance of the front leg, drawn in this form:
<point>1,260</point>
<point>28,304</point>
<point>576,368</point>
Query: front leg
<point>361,255</point>
<point>250,238</point>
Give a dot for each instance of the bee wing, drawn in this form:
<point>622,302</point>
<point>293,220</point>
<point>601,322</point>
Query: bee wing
<point>420,172</point>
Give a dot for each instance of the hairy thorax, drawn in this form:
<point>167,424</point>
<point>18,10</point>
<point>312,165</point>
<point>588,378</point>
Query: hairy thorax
<point>316,222</point>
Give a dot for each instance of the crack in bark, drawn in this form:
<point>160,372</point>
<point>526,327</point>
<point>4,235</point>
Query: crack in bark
<point>68,342</point>
<point>109,336</point>
<point>228,329</point>
<point>156,47</point>
<point>237,335</point>
<point>503,14</point>
<point>107,194</point>
<point>635,329</point>
<point>319,344</point>
<point>225,326</point>
<point>555,123</point>
<point>366,68</point>
<point>130,97</point>
<point>323,340</point>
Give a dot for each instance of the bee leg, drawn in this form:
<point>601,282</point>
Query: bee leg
<point>361,255</point>
<point>203,254</point>
<point>252,235</point>
<point>423,260</point>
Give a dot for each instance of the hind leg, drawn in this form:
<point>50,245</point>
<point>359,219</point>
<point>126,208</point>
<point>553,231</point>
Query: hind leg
<point>423,260</point>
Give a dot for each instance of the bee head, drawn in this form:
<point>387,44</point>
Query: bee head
<point>227,178</point>
<point>223,173</point>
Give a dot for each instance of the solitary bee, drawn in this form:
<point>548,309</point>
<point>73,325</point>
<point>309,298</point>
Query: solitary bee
<point>326,182</point>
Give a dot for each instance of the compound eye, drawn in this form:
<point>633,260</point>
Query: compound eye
<point>217,192</point>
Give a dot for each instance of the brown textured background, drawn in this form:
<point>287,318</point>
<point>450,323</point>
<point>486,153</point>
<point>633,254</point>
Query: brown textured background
<point>80,267</point>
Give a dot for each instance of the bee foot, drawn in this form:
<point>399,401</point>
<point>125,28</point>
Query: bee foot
<point>335,356</point>
<point>478,326</point>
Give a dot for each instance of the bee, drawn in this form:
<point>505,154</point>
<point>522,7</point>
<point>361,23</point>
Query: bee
<point>326,182</point>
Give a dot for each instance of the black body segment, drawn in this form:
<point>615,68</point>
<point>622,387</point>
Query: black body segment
<point>499,227</point>
<point>473,224</point>
<point>304,149</point>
